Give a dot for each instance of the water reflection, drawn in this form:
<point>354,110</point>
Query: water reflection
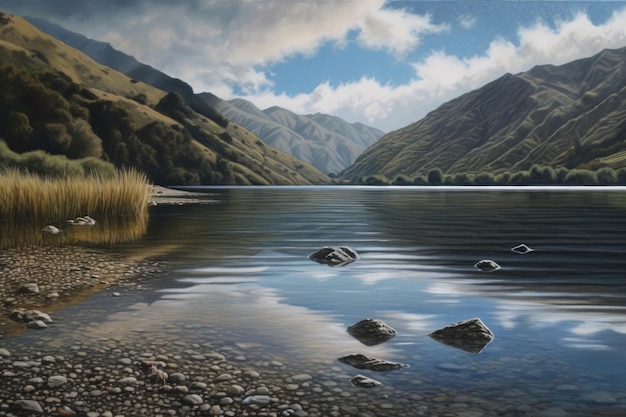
<point>106,232</point>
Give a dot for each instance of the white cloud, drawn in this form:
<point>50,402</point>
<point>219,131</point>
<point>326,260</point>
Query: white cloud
<point>467,22</point>
<point>440,76</point>
<point>228,46</point>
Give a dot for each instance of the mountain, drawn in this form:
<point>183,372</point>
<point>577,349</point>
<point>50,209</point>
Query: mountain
<point>59,107</point>
<point>327,142</point>
<point>571,116</point>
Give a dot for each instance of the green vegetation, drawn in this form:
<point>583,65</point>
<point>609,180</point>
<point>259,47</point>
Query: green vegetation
<point>30,198</point>
<point>62,113</point>
<point>537,175</point>
<point>571,116</point>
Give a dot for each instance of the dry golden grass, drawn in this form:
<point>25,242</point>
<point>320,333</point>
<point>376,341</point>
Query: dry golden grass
<point>27,198</point>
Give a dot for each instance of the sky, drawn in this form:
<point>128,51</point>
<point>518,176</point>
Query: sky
<point>379,62</point>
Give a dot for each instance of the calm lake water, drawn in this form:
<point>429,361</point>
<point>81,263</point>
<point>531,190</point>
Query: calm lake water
<point>558,313</point>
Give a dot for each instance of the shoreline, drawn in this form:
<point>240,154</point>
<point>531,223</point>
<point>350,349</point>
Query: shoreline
<point>63,275</point>
<point>169,196</point>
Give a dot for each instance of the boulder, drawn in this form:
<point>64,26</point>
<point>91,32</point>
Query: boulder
<point>469,335</point>
<point>371,332</point>
<point>360,361</point>
<point>338,256</point>
<point>362,381</point>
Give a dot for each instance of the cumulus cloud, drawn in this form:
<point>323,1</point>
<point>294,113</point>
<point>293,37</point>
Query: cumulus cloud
<point>228,48</point>
<point>440,77</point>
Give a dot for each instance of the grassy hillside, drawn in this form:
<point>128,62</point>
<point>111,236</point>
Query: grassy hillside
<point>328,143</point>
<point>58,106</point>
<point>571,116</point>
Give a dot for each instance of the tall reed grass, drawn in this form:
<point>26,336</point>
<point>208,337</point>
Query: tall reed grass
<point>28,198</point>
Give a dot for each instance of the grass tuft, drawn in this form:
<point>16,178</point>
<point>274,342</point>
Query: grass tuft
<point>29,198</point>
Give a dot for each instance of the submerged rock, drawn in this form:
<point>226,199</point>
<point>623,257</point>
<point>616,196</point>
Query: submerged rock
<point>487,265</point>
<point>371,332</point>
<point>469,335</point>
<point>360,361</point>
<point>339,256</point>
<point>522,249</point>
<point>364,382</point>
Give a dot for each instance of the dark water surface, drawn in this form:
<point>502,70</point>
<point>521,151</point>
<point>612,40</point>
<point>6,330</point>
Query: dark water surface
<point>558,313</point>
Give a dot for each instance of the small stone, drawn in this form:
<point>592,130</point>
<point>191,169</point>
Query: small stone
<point>56,381</point>
<point>364,382</point>
<point>115,294</point>
<point>215,410</point>
<point>30,406</point>
<point>361,361</point>
<point>52,295</point>
<point>235,390</point>
<point>302,377</point>
<point>4,353</point>
<point>128,381</point>
<point>30,288</point>
<point>192,399</point>
<point>36,324</point>
<point>260,400</point>
<point>176,378</point>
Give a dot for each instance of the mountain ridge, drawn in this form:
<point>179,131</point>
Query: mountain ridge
<point>328,146</point>
<point>571,116</point>
<point>57,105</point>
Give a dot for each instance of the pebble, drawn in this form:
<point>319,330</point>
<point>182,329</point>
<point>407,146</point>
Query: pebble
<point>260,400</point>
<point>56,381</point>
<point>192,399</point>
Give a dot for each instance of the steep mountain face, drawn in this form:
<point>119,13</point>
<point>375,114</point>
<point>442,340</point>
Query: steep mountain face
<point>55,100</point>
<point>328,143</point>
<point>571,116</point>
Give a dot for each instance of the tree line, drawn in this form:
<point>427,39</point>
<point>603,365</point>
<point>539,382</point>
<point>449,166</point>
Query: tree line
<point>536,175</point>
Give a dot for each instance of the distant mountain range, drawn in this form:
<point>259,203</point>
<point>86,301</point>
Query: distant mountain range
<point>58,106</point>
<point>571,116</point>
<point>327,142</point>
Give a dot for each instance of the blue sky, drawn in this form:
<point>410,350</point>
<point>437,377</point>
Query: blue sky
<point>382,63</point>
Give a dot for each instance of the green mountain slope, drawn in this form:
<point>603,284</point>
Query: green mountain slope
<point>571,116</point>
<point>327,142</point>
<point>55,100</point>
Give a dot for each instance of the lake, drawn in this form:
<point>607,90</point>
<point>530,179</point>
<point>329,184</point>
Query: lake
<point>240,266</point>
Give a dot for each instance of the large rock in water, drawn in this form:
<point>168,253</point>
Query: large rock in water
<point>469,335</point>
<point>360,361</point>
<point>339,256</point>
<point>371,332</point>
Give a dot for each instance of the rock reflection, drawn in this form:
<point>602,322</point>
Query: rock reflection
<point>106,232</point>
